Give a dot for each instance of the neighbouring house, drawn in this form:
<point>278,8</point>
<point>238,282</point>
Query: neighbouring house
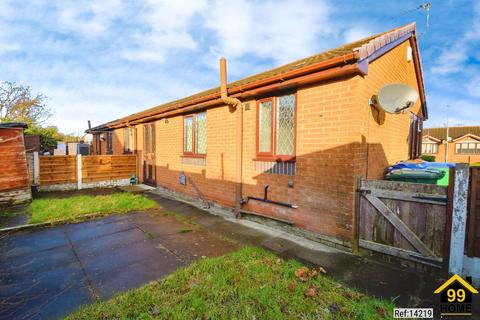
<point>287,143</point>
<point>463,145</point>
<point>14,181</point>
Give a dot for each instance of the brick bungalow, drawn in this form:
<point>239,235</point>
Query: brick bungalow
<point>305,129</point>
<point>463,144</point>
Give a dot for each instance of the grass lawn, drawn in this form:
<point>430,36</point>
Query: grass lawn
<point>248,284</point>
<point>55,209</point>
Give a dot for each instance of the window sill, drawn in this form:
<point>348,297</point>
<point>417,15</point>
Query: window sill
<point>276,158</point>
<point>201,156</point>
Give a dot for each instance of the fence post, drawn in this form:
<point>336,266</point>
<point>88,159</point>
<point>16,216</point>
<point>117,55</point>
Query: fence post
<point>79,171</point>
<point>356,214</point>
<point>459,218</point>
<point>36,168</point>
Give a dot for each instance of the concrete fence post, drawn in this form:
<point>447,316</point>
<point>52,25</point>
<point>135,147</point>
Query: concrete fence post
<point>36,168</point>
<point>459,218</point>
<point>79,171</point>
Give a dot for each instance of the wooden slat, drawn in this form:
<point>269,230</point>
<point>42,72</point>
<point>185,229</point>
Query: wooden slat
<point>408,196</point>
<point>399,225</point>
<point>472,245</point>
<point>402,253</point>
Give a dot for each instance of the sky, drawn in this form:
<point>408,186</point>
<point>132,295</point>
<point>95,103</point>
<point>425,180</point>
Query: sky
<point>101,60</point>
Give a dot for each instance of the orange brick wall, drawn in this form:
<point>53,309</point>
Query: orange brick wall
<point>386,134</point>
<point>335,129</point>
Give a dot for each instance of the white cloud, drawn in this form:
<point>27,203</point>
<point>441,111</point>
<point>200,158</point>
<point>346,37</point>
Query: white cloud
<point>88,18</point>
<point>168,26</point>
<point>280,30</point>
<point>356,33</point>
<point>452,58</point>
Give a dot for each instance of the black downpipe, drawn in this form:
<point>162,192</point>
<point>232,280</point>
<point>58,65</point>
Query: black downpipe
<point>266,200</point>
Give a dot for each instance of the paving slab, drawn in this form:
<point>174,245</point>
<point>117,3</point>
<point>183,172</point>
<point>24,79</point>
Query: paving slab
<point>48,273</point>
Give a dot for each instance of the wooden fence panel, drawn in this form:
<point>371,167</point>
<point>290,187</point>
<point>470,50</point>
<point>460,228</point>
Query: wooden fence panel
<point>57,170</point>
<point>108,167</point>
<point>63,169</point>
<point>403,219</point>
<point>472,243</point>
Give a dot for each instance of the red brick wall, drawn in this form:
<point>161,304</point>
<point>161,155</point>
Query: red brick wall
<point>386,135</point>
<point>336,128</point>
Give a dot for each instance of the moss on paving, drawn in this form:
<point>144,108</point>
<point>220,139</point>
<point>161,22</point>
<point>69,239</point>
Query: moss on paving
<point>72,208</point>
<point>248,284</point>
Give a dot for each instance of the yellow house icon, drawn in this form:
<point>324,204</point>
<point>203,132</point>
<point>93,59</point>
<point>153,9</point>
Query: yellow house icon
<point>454,278</point>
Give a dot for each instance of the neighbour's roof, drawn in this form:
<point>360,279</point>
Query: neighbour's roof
<point>6,125</point>
<point>453,132</point>
<point>363,48</point>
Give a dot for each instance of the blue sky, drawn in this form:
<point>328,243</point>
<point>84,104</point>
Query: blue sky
<point>101,60</point>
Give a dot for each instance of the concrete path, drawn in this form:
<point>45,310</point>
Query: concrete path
<point>386,280</point>
<point>48,273</point>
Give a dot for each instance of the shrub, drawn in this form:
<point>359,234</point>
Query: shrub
<point>427,158</point>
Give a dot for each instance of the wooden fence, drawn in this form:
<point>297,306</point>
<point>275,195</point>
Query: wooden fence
<point>109,167</point>
<point>472,244</point>
<point>84,170</point>
<point>405,220</point>
<point>57,170</point>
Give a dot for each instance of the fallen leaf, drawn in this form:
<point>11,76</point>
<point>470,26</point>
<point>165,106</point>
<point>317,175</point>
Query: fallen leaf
<point>205,317</point>
<point>313,273</point>
<point>302,274</point>
<point>311,291</point>
<point>380,311</point>
<point>322,270</point>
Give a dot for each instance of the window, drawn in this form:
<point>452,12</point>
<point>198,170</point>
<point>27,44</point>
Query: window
<point>415,136</point>
<point>195,134</point>
<point>276,128</point>
<point>429,148</point>
<point>98,144</point>
<point>109,142</point>
<point>128,139</point>
<point>467,148</point>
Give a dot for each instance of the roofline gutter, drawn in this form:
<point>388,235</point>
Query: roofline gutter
<point>234,91</point>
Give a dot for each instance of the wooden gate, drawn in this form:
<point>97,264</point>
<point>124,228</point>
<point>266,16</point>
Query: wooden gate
<point>406,220</point>
<point>472,241</point>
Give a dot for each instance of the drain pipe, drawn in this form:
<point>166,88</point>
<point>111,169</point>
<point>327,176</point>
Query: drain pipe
<point>235,105</point>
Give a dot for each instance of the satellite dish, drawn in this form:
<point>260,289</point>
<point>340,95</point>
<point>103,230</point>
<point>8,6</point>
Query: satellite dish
<point>395,98</point>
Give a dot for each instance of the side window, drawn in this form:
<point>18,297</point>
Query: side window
<point>128,140</point>
<point>276,126</point>
<point>109,142</point>
<point>195,134</point>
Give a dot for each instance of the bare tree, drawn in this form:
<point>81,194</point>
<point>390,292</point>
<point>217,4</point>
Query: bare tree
<point>18,104</point>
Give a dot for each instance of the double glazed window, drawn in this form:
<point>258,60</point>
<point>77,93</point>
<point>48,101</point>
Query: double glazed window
<point>429,148</point>
<point>128,140</point>
<point>109,142</point>
<point>467,148</point>
<point>276,128</point>
<point>195,134</point>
